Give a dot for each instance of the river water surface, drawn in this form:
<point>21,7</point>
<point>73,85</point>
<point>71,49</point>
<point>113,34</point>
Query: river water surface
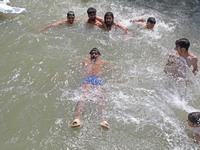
<point>40,77</point>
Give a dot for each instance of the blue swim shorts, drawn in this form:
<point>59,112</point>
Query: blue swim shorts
<point>93,80</point>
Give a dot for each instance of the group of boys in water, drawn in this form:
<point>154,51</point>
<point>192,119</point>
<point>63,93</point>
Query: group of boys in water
<point>94,66</point>
<point>107,23</point>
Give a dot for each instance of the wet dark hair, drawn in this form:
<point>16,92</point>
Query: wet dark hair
<point>151,20</point>
<point>95,50</point>
<point>194,117</point>
<point>108,14</point>
<point>183,43</point>
<point>70,13</point>
<point>91,10</point>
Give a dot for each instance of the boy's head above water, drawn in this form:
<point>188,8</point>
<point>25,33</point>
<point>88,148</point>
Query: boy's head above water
<point>194,119</point>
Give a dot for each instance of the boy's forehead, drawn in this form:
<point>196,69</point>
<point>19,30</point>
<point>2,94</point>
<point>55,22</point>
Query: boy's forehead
<point>92,13</point>
<point>109,16</point>
<point>71,15</point>
<point>151,23</point>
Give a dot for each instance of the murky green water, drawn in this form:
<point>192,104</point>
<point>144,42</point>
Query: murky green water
<point>40,77</point>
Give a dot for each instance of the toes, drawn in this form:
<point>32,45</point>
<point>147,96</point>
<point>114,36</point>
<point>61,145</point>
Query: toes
<point>76,123</point>
<point>105,124</point>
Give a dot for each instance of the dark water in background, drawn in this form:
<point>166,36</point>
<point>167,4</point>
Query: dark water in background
<point>40,77</point>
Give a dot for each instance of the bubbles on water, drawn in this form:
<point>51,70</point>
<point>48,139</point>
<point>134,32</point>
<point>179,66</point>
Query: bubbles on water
<point>59,121</point>
<point>144,106</point>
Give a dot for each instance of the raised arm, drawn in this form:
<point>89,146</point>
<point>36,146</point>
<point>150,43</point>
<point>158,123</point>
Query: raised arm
<point>50,25</point>
<point>138,20</point>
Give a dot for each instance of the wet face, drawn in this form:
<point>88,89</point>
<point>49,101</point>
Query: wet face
<point>109,20</point>
<point>150,26</point>
<point>178,49</point>
<point>92,16</point>
<point>70,19</point>
<point>94,55</point>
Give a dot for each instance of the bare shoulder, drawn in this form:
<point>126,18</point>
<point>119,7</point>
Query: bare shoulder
<point>104,63</point>
<point>104,25</point>
<point>192,56</point>
<point>118,25</point>
<point>59,22</point>
<point>77,20</point>
<point>192,59</point>
<point>85,60</point>
<point>64,20</point>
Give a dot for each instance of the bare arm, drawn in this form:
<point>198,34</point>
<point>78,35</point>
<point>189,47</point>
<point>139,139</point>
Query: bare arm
<point>76,20</point>
<point>195,66</point>
<point>197,138</point>
<point>122,27</point>
<point>50,25</point>
<point>138,20</point>
<point>169,62</point>
<point>82,64</point>
<point>99,19</point>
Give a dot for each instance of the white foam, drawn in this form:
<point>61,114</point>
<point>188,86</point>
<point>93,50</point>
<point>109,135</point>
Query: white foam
<point>4,8</point>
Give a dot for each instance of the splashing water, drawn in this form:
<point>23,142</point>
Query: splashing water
<point>41,76</point>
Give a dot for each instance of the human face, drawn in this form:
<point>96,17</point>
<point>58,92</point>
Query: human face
<point>191,124</point>
<point>109,20</point>
<point>94,55</point>
<point>92,16</point>
<point>150,26</point>
<point>178,49</point>
<point>70,19</point>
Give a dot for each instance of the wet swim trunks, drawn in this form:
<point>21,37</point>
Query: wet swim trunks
<point>93,80</point>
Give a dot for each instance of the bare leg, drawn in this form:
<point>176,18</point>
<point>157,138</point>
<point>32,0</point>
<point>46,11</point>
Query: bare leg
<point>79,108</point>
<point>101,104</point>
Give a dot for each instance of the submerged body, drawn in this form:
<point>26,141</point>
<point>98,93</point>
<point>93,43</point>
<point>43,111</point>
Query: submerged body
<point>176,66</point>
<point>69,21</point>
<point>182,60</point>
<point>140,23</point>
<point>92,19</point>
<point>194,125</point>
<point>108,23</point>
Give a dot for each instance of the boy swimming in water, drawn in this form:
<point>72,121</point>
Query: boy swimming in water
<point>69,21</point>
<point>93,67</point>
<point>177,63</point>
<point>108,23</point>
<point>194,125</point>
<point>150,23</point>
<point>92,19</point>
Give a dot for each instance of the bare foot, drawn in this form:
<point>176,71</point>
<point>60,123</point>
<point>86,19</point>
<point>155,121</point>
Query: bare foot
<point>76,123</point>
<point>104,124</point>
